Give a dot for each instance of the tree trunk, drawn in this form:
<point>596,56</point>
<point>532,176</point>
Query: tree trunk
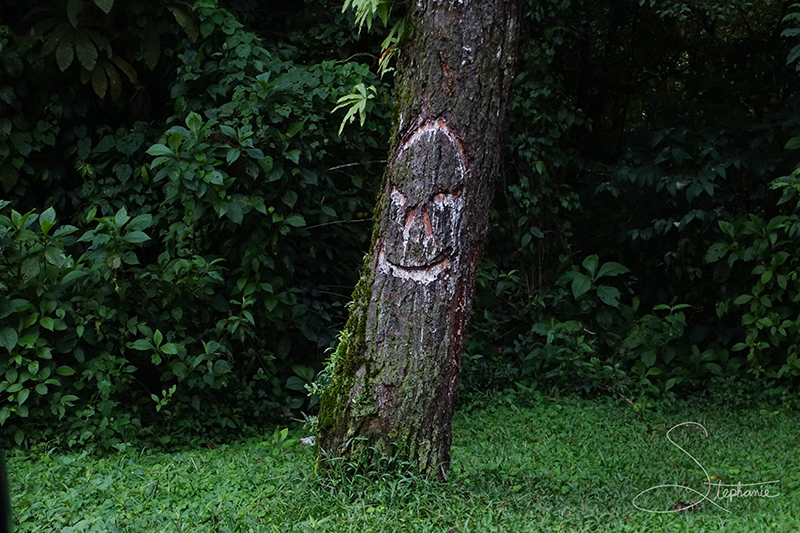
<point>395,372</point>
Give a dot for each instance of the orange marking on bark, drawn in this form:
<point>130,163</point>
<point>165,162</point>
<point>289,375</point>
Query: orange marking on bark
<point>426,219</point>
<point>410,217</point>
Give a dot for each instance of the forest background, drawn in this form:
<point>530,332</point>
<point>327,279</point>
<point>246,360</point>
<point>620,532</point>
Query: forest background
<point>182,218</point>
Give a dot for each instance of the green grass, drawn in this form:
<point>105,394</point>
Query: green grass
<point>572,465</point>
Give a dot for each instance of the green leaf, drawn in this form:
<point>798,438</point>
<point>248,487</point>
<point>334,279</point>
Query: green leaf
<point>612,269</point>
<point>743,299</point>
<point>105,5</point>
<point>649,358</point>
<point>114,81</point>
<point>295,383</point>
<point>73,276</point>
<point>608,295</point>
<point>794,53</point>
<point>47,323</point>
<point>65,53</point>
<point>792,144</point>
<point>129,71</point>
<point>74,7</point>
<point>717,252</point>
<point>121,218</point>
<point>143,345</point>
<point>726,227</point>
<point>590,264</point>
<point>86,51</point>
<point>136,237</point>
<point>23,395</point>
<point>222,367</point>
<point>30,267</point>
<point>294,128</point>
<point>99,81</point>
<point>295,220</point>
<point>169,349</point>
<point>194,122</point>
<point>65,229</point>
<point>8,338</point>
<point>185,20</point>
<point>160,150</point>
<point>65,371</point>
<point>232,155</point>
<point>140,222</point>
<point>47,220</point>
<point>235,213</point>
<point>174,141</point>
<point>671,383</point>
<point>580,284</point>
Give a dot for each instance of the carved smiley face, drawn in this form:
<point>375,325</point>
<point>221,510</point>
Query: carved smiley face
<point>425,210</point>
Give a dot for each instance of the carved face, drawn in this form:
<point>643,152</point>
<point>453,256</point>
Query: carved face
<point>425,214</point>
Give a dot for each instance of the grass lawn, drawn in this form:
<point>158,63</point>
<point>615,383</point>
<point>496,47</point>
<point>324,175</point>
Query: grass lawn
<point>570,465</point>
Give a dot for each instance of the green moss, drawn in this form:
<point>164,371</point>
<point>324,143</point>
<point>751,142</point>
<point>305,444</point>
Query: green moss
<point>349,354</point>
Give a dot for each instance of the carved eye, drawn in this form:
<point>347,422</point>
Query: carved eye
<point>445,198</point>
<point>398,198</point>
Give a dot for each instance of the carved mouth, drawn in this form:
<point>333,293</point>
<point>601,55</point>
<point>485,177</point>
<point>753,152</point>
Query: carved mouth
<point>439,259</point>
<point>421,273</point>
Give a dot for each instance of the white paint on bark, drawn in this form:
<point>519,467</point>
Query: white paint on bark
<point>424,240</point>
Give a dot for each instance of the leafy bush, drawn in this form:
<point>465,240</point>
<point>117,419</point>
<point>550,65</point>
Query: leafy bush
<point>200,264</point>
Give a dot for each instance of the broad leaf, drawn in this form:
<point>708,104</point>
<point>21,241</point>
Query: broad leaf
<point>8,338</point>
<point>121,217</point>
<point>590,264</point>
<point>86,51</point>
<point>296,221</point>
<point>136,237</point>
<point>65,53</point>
<point>580,284</point>
<point>608,295</point>
<point>99,81</point>
<point>612,269</point>
<point>74,7</point>
<point>105,5</point>
<point>792,144</point>
<point>160,150</point>
<point>47,220</point>
<point>717,252</point>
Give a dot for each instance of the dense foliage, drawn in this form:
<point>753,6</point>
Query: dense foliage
<point>647,136</point>
<point>177,265</point>
<point>182,217</point>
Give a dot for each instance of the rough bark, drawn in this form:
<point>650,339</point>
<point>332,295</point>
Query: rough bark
<point>395,372</point>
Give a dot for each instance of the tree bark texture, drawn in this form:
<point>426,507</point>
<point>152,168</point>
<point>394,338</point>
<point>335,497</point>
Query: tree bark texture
<point>395,372</point>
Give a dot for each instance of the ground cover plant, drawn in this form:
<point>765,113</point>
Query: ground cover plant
<point>552,465</point>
